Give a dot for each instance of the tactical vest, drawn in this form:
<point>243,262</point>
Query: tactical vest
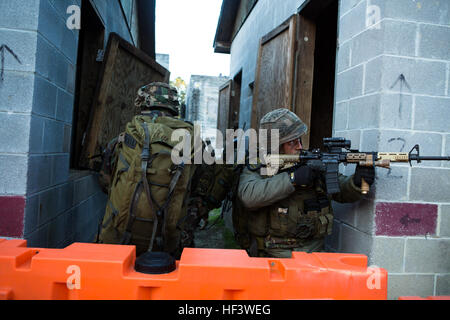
<point>147,192</point>
<point>302,216</point>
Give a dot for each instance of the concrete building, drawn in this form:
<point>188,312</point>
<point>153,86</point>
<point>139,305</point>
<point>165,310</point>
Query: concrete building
<point>383,68</point>
<point>163,59</point>
<point>43,197</point>
<point>202,103</point>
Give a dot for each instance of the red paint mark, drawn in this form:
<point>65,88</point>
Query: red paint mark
<point>405,219</point>
<point>12,211</point>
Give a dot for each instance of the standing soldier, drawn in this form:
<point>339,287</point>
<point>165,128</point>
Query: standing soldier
<point>290,211</point>
<point>150,203</point>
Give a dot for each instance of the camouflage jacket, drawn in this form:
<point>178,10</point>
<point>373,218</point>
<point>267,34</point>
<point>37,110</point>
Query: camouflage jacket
<point>256,191</point>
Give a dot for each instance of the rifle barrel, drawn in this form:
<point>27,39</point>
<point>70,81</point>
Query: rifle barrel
<point>436,158</point>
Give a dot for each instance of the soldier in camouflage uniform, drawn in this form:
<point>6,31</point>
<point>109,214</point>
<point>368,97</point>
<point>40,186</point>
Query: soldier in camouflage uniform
<point>291,211</point>
<point>129,214</point>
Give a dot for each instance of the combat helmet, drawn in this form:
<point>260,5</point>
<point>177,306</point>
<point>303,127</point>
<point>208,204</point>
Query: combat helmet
<point>158,95</point>
<point>290,126</point>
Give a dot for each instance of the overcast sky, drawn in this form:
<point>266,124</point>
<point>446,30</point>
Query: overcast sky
<point>185,30</point>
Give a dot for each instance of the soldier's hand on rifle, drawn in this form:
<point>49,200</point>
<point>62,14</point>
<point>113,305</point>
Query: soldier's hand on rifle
<point>366,173</point>
<point>302,176</point>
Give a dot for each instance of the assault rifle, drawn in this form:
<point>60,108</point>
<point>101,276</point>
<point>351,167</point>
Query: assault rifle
<point>338,151</point>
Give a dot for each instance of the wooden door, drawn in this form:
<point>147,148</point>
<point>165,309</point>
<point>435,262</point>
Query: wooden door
<point>125,69</point>
<point>274,79</point>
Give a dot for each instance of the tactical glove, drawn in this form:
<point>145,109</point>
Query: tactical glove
<point>302,176</point>
<point>366,173</point>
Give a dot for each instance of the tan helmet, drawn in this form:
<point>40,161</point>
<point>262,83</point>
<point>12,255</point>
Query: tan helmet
<point>158,95</point>
<point>290,126</point>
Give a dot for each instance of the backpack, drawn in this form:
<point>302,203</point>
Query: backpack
<point>147,191</point>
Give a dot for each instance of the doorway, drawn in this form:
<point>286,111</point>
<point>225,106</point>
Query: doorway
<point>324,75</point>
<point>89,63</point>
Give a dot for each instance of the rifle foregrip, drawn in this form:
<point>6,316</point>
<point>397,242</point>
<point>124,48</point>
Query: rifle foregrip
<point>364,186</point>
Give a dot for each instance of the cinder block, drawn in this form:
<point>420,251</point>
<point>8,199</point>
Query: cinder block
<point>444,217</point>
<point>432,114</point>
<point>364,112</point>
<point>38,238</point>
<point>404,141</point>
<point>409,285</point>
<point>434,42</point>
<point>340,116</point>
<point>388,253</point>
<point>51,25</point>
<point>355,241</point>
<point>31,214</point>
<point>395,111</point>
<point>59,230</point>
<point>60,168</point>
<point>349,84</point>
<point>53,136</point>
<point>16,92</point>
<point>430,185</point>
<point>23,45</point>
<point>13,174</point>
<point>446,164</point>
<point>364,214</point>
<point>36,134</point>
<point>442,285</point>
<point>53,65</point>
<point>427,255</point>
<point>405,219</point>
<point>84,188</point>
<point>344,212</point>
<point>392,184</point>
<point>12,209</point>
<point>67,138</point>
<point>343,56</point>
<point>353,22</point>
<point>39,173</point>
<point>373,76</point>
<point>399,38</point>
<point>44,102</point>
<point>64,106</point>
<point>20,14</point>
<point>369,141</point>
<point>436,12</point>
<point>353,135</point>
<point>48,206</point>
<point>346,5</point>
<point>14,132</point>
<point>71,78</point>
<point>367,45</point>
<point>422,76</point>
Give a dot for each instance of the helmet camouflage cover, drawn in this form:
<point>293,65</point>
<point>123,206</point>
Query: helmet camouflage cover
<point>158,95</point>
<point>288,123</point>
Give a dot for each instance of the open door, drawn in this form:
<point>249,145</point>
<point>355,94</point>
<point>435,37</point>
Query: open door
<point>125,69</point>
<point>274,79</point>
<point>296,69</point>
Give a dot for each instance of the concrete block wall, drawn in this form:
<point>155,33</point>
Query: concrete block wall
<point>41,198</point>
<point>404,224</point>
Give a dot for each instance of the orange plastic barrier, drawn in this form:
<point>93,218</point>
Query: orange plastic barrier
<point>97,271</point>
<point>427,298</point>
